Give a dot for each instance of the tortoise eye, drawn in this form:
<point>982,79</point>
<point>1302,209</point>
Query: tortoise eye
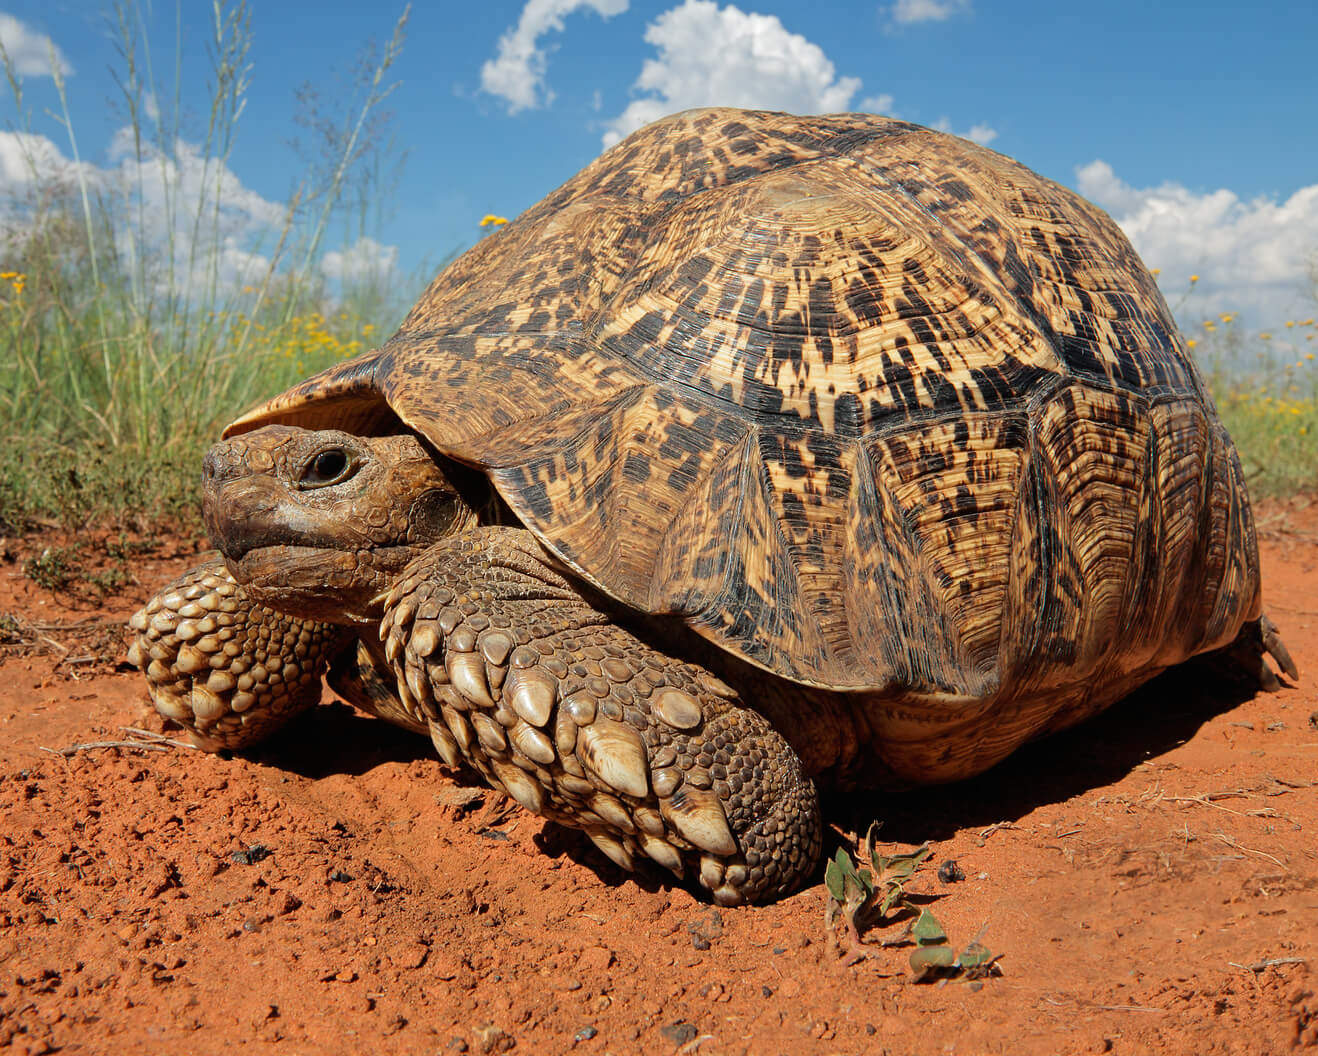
<point>328,467</point>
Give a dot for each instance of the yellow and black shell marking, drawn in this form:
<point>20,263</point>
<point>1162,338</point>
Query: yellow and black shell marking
<point>867,405</point>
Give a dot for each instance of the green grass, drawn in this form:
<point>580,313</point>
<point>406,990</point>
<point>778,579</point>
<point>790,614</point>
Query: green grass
<point>131,334</point>
<point>1270,410</point>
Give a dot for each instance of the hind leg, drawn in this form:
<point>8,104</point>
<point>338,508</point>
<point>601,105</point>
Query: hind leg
<point>1250,651</point>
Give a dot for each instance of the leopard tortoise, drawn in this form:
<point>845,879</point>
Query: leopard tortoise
<point>765,449</point>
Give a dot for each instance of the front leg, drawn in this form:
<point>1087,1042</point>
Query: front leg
<point>227,669</point>
<point>581,721</point>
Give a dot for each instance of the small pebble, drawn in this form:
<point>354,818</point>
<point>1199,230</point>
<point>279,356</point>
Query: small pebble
<point>950,873</point>
<point>586,1033</point>
<point>679,1033</point>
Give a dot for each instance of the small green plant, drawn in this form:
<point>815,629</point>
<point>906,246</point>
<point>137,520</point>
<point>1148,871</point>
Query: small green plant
<point>863,898</point>
<point>55,568</point>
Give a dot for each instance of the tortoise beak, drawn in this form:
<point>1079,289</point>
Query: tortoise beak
<point>245,502</point>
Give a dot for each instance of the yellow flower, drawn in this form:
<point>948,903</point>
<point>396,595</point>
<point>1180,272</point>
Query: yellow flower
<point>1307,322</point>
<point>490,218</point>
<point>1290,323</point>
<point>1209,325</point>
<point>1227,317</point>
<point>1194,278</point>
<point>1157,272</point>
<point>1309,356</point>
<point>1192,342</point>
<point>1265,336</point>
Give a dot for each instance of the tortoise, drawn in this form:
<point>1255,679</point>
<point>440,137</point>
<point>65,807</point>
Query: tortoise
<point>766,451</point>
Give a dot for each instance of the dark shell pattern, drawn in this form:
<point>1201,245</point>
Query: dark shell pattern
<point>867,405</point>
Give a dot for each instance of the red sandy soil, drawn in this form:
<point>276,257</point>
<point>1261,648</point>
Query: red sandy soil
<point>1150,880</point>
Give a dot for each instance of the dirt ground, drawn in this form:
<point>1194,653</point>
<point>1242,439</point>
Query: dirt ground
<point>1150,879</point>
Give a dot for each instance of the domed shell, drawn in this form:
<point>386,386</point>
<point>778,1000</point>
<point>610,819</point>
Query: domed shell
<point>869,406</point>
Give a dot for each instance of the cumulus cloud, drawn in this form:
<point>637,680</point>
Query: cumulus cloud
<point>365,260</point>
<point>1251,256</point>
<point>190,216</point>
<point>31,54</point>
<point>879,104</point>
<point>979,133</point>
<point>517,72</point>
<point>904,12</point>
<point>711,55</point>
<point>186,220</point>
<point>27,160</point>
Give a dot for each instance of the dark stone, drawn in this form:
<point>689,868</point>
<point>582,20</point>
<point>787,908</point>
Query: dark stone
<point>679,1033</point>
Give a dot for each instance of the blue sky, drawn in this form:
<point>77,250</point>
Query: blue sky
<point>1194,124</point>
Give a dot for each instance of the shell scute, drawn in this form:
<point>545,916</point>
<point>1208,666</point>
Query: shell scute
<point>867,405</point>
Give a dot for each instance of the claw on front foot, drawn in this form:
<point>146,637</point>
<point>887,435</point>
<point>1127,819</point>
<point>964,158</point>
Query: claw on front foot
<point>585,724</point>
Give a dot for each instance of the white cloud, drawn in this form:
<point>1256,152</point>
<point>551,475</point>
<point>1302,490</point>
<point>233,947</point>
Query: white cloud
<point>188,221</point>
<point>30,53</point>
<point>517,72</point>
<point>904,12</point>
<point>979,133</point>
<point>879,104</point>
<point>366,259</point>
<point>1251,256</point>
<point>722,56</point>
<point>982,134</point>
<point>27,160</point>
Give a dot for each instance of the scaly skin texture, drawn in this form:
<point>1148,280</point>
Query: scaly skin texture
<point>320,539</point>
<point>582,722</point>
<point>902,431</point>
<point>493,652</point>
<point>226,668</point>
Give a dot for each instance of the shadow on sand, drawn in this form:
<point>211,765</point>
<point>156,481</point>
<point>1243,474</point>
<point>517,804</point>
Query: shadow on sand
<point>1156,718</point>
<point>336,739</point>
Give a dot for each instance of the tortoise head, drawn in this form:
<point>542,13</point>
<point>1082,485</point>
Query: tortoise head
<point>316,524</point>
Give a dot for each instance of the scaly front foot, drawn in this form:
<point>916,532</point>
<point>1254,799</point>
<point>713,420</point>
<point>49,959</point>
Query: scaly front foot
<point>226,669</point>
<point>582,722</point>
